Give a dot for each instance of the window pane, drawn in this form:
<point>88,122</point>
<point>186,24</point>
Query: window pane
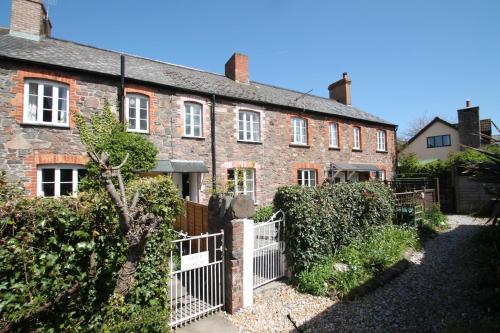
<point>66,175</point>
<point>430,142</point>
<point>446,140</point>
<point>438,141</point>
<point>32,107</point>
<point>81,173</point>
<point>48,189</point>
<point>63,93</point>
<point>131,123</point>
<point>66,189</point>
<point>196,119</point>
<point>48,175</point>
<point>131,110</point>
<point>196,131</point>
<point>144,114</point>
<point>33,88</point>
<point>144,124</point>
<point>143,103</point>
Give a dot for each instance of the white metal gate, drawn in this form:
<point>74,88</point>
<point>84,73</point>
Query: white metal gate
<point>197,277</point>
<point>269,250</point>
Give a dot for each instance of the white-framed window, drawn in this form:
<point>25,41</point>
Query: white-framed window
<point>307,177</point>
<point>46,103</point>
<point>381,141</point>
<point>193,119</point>
<point>381,175</point>
<point>334,135</point>
<point>137,113</point>
<point>241,181</point>
<point>249,126</point>
<point>356,134</point>
<point>299,131</point>
<point>59,180</point>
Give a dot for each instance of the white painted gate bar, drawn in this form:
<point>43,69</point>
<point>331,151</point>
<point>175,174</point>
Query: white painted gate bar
<point>269,250</point>
<point>196,277</point>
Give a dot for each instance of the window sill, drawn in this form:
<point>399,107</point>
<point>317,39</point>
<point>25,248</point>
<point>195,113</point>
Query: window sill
<point>199,138</point>
<point>382,151</point>
<point>357,150</point>
<point>299,145</point>
<point>138,132</point>
<point>333,148</point>
<point>24,124</point>
<point>250,142</point>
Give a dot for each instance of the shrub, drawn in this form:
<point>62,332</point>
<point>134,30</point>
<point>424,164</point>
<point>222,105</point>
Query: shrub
<point>321,220</point>
<point>364,257</point>
<point>48,245</point>
<point>264,213</point>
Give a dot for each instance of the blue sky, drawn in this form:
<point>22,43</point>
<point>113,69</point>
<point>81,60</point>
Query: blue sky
<point>405,58</point>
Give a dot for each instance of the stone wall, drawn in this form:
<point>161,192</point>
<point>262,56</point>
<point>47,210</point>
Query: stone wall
<point>274,159</point>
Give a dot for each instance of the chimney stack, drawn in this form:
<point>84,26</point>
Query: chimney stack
<point>469,126</point>
<point>340,91</point>
<point>237,68</point>
<point>29,19</point>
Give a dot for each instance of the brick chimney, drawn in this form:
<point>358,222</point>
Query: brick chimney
<point>340,91</point>
<point>237,68</point>
<point>29,19</point>
<point>469,126</point>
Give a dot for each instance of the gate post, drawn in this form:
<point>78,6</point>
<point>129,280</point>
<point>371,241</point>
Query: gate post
<point>239,240</point>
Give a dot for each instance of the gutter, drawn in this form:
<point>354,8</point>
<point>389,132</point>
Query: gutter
<point>196,92</point>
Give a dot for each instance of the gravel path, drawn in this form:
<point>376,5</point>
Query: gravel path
<point>438,290</point>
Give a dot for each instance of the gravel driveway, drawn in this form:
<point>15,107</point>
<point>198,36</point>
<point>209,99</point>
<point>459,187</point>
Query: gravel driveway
<point>438,290</point>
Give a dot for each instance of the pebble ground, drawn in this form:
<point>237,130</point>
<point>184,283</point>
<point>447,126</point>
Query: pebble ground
<point>436,291</point>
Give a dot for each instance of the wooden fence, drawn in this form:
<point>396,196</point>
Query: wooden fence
<point>193,220</point>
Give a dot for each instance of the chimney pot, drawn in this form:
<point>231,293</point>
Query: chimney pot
<point>236,68</point>
<point>340,90</point>
<point>467,103</point>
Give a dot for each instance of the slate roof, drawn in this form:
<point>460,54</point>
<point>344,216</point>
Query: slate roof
<point>72,55</point>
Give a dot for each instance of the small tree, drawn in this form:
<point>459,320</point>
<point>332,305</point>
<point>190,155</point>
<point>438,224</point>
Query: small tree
<point>115,154</point>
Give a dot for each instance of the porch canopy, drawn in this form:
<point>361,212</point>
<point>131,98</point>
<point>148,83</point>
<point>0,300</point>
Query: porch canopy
<point>356,167</point>
<point>179,166</point>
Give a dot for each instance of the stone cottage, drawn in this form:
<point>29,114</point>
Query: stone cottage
<point>210,128</point>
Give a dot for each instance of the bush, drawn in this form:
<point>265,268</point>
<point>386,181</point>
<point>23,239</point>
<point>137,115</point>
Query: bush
<point>321,220</point>
<point>264,213</point>
<point>48,245</point>
<point>364,257</point>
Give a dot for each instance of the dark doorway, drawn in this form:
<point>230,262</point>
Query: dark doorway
<point>185,185</point>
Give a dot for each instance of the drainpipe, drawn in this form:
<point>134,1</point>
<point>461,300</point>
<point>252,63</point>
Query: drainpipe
<point>212,129</point>
<point>122,89</point>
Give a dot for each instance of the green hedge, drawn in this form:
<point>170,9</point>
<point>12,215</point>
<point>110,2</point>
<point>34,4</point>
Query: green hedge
<point>47,245</point>
<point>321,220</point>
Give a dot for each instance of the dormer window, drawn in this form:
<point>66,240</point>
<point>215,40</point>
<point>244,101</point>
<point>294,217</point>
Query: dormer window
<point>46,103</point>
